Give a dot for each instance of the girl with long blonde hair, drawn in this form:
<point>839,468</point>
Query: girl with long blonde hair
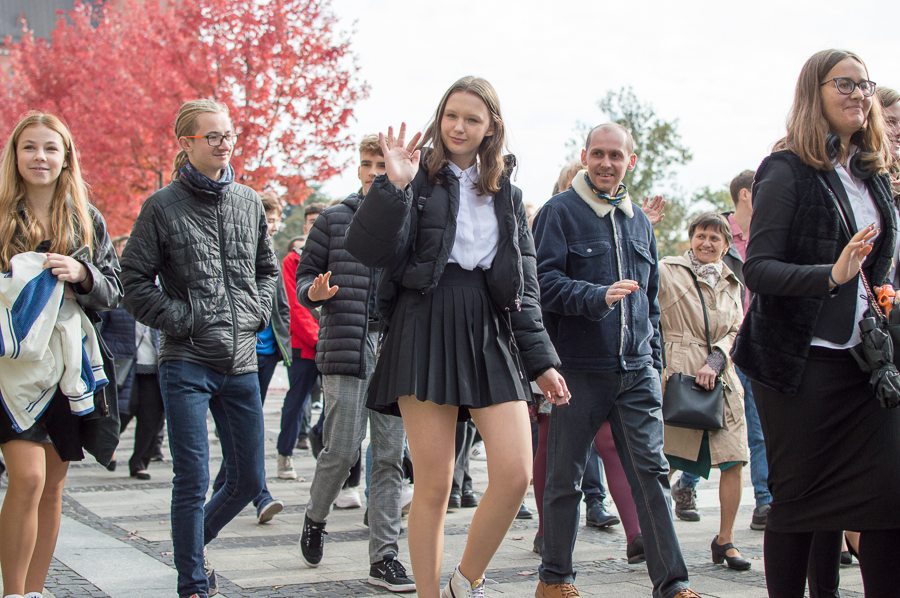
<point>45,209</point>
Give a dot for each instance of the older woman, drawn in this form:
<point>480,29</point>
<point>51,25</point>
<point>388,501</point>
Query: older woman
<point>834,457</point>
<point>684,328</point>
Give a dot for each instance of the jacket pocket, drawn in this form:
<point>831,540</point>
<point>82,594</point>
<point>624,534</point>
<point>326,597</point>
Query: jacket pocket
<point>592,261</point>
<point>643,262</point>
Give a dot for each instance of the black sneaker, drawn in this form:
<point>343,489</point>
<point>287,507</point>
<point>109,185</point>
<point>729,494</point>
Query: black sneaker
<point>597,516</point>
<point>211,581</point>
<point>760,515</point>
<point>389,573</point>
<point>312,542</point>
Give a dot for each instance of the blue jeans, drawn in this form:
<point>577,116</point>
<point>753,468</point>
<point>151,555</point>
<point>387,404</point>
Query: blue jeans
<point>632,403</point>
<point>188,390</point>
<point>266,363</point>
<point>592,483</point>
<point>759,468</point>
<point>301,376</point>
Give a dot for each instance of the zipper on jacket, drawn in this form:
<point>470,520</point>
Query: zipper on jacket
<point>513,346</point>
<point>234,321</point>
<point>612,217</point>
<point>191,304</point>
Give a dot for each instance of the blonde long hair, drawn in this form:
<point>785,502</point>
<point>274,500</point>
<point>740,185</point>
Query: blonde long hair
<point>186,124</point>
<point>807,127</point>
<point>71,225</point>
<point>490,152</point>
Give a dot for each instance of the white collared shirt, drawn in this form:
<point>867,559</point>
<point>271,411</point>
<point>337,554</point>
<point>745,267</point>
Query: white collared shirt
<point>864,213</point>
<point>477,230</point>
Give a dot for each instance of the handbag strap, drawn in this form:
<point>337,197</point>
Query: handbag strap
<point>842,219</point>
<point>662,340</point>
<point>705,317</point>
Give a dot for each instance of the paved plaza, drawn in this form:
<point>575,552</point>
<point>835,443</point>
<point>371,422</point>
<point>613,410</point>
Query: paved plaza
<point>114,541</point>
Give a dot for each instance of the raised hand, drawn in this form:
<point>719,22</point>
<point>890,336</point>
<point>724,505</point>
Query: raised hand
<point>401,163</point>
<point>654,209</point>
<point>320,291</point>
<point>853,255</point>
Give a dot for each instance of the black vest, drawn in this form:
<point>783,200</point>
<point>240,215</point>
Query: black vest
<point>773,343</point>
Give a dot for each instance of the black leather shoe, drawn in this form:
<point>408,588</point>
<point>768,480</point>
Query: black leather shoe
<point>468,500</point>
<point>635,551</point>
<point>524,513</point>
<point>719,554</point>
<point>597,516</point>
<point>455,501</point>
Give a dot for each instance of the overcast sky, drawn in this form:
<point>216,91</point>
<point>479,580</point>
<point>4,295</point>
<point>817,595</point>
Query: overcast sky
<point>725,70</point>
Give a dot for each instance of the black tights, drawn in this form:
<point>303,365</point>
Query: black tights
<point>786,573</point>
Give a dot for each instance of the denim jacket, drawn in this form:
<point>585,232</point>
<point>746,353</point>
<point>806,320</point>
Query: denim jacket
<point>579,255</point>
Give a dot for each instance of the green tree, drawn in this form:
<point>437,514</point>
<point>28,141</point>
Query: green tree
<point>659,149</point>
<point>292,219</point>
<point>707,200</point>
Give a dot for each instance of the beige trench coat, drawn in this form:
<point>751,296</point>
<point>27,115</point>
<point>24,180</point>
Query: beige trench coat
<point>684,334</point>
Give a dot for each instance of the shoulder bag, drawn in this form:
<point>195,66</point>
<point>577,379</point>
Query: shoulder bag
<point>685,403</point>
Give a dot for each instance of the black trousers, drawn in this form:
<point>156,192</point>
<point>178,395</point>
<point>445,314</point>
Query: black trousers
<point>148,410</point>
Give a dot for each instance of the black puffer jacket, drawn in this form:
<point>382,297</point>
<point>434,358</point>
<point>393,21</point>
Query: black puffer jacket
<point>217,274</point>
<point>344,319</point>
<point>410,234</point>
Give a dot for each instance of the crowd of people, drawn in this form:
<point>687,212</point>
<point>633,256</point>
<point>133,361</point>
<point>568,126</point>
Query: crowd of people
<point>434,306</point>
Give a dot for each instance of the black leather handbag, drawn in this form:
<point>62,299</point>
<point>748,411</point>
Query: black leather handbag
<point>685,403</point>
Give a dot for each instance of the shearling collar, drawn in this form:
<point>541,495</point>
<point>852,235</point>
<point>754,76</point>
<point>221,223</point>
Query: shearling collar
<point>602,208</point>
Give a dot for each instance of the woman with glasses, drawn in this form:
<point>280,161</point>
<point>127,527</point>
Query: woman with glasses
<point>833,451</point>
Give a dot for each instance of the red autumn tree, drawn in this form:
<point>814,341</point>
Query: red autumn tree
<point>118,74</point>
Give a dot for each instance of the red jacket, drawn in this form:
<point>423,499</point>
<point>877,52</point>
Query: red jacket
<point>304,327</point>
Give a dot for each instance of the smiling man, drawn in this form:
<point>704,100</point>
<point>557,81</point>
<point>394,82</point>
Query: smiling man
<point>596,264</point>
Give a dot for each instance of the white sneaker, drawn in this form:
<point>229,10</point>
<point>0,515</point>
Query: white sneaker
<point>460,587</point>
<point>265,514</point>
<point>478,453</point>
<point>406,496</point>
<point>286,468</point>
<point>348,499</point>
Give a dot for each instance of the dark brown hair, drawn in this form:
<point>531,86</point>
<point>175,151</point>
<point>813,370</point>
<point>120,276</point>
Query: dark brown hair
<point>491,150</point>
<point>712,221</point>
<point>313,208</point>
<point>741,181</point>
<point>807,127</point>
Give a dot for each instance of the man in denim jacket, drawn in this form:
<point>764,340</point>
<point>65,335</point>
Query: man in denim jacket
<point>596,262</point>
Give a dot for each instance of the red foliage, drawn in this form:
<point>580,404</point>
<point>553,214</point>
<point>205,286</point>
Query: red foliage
<point>118,75</point>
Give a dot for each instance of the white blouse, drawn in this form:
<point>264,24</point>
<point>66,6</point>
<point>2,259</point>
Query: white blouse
<point>477,230</point>
<point>865,212</point>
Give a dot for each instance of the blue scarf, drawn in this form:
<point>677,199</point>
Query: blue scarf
<point>614,200</point>
<point>204,185</point>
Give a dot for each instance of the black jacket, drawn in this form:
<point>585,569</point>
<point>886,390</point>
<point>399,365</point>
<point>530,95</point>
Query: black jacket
<point>217,273</point>
<point>795,239</point>
<point>344,319</point>
<point>410,233</point>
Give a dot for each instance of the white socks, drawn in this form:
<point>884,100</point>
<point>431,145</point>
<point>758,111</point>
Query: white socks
<point>33,595</point>
<point>15,596</point>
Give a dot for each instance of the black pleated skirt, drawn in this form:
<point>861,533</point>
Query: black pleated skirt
<point>57,425</point>
<point>833,452</point>
<point>451,347</point>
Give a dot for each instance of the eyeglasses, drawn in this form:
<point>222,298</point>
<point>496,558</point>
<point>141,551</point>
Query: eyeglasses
<point>845,86</point>
<point>216,140</point>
